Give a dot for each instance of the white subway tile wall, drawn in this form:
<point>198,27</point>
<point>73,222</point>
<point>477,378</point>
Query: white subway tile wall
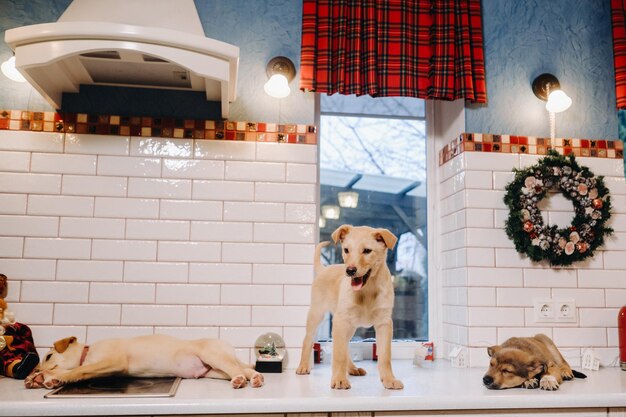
<point>501,285</point>
<point>110,236</point>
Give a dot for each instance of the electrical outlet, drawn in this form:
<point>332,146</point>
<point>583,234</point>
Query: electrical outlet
<point>565,311</point>
<point>544,311</point>
<point>554,311</point>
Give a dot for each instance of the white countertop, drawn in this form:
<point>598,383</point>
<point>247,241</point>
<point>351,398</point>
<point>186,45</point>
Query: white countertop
<point>438,387</point>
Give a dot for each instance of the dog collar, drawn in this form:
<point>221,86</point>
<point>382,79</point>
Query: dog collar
<point>83,355</point>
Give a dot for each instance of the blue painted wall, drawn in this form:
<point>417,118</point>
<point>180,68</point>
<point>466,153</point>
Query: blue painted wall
<point>261,29</point>
<point>569,38</point>
<point>523,38</point>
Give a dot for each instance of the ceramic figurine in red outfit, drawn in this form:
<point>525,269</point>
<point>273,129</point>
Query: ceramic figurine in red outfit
<point>18,356</point>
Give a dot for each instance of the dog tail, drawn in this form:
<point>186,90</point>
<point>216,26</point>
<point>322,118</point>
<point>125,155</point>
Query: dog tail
<point>316,259</point>
<point>579,374</point>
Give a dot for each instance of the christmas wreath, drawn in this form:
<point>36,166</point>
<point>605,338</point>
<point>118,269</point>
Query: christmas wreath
<point>588,194</point>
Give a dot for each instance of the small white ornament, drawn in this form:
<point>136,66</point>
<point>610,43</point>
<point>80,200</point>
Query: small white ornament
<point>458,357</point>
<point>590,361</point>
<point>530,182</point>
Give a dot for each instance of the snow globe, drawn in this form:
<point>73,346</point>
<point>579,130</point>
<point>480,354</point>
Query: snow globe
<point>270,352</point>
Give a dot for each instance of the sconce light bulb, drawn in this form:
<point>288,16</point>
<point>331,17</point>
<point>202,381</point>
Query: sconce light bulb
<point>8,69</point>
<point>277,86</point>
<point>558,101</point>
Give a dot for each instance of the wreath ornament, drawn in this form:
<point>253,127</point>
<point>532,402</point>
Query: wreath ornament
<point>592,209</point>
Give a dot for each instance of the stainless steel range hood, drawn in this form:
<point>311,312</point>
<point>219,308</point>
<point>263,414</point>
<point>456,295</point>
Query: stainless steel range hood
<point>131,43</point>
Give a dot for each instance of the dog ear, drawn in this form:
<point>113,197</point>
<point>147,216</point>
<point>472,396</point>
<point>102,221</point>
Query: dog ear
<point>62,345</point>
<point>340,233</point>
<point>492,350</point>
<point>535,366</point>
<point>388,238</point>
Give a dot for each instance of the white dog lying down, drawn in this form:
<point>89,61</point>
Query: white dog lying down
<point>142,356</point>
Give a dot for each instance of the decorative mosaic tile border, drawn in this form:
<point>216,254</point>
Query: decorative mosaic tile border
<point>161,127</point>
<point>483,142</point>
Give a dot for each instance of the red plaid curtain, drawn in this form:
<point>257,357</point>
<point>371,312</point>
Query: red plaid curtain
<point>431,49</point>
<point>618,16</point>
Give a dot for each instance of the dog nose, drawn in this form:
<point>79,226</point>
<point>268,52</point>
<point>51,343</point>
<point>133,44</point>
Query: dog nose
<point>487,380</point>
<point>351,270</point>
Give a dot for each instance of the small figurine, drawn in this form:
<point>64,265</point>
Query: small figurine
<point>18,356</point>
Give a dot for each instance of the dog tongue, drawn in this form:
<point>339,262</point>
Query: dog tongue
<point>357,283</point>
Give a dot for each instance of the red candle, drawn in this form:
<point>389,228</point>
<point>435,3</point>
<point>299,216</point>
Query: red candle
<point>621,328</point>
<point>317,353</point>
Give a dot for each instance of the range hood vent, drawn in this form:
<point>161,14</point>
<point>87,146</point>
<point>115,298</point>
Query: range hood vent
<point>141,43</point>
<point>150,72</point>
<point>102,55</point>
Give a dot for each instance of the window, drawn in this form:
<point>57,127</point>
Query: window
<point>373,172</point>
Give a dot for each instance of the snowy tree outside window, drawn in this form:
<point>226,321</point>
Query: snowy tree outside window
<point>376,147</point>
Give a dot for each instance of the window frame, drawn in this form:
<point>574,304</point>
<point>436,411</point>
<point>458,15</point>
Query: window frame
<point>403,349</point>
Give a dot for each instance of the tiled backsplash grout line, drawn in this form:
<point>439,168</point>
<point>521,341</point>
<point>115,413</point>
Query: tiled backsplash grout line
<point>514,279</point>
<point>136,222</point>
<point>261,272</point>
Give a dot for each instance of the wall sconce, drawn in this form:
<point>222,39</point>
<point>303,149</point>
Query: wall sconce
<point>331,212</point>
<point>547,88</point>
<point>9,70</point>
<point>348,199</point>
<point>280,71</point>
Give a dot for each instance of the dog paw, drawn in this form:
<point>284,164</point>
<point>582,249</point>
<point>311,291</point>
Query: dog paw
<point>393,384</point>
<point>567,374</point>
<point>238,381</point>
<point>51,383</point>
<point>46,379</point>
<point>34,380</point>
<point>257,380</point>
<point>549,383</point>
<point>340,383</point>
<point>357,371</point>
<point>303,370</point>
<point>531,383</point>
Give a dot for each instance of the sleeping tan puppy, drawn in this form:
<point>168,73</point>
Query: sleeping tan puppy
<point>359,293</point>
<point>528,362</point>
<point>142,356</point>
